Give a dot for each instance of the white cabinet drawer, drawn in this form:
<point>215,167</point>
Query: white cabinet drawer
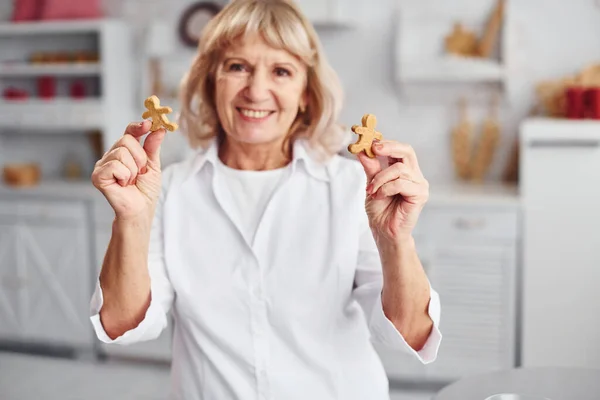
<point>47,210</point>
<point>464,223</point>
<point>8,208</point>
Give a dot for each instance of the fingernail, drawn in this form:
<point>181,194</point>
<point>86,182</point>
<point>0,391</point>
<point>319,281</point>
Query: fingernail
<point>378,146</point>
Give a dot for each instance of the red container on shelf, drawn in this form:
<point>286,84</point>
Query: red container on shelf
<point>575,102</point>
<point>592,103</point>
<point>46,87</point>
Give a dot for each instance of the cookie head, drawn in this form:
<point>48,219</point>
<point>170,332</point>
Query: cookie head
<point>152,102</point>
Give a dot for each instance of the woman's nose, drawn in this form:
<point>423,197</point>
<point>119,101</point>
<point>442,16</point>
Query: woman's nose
<point>258,87</point>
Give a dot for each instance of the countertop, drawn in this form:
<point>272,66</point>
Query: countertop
<point>441,194</point>
<point>59,189</point>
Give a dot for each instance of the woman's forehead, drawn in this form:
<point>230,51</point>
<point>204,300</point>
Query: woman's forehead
<point>255,47</point>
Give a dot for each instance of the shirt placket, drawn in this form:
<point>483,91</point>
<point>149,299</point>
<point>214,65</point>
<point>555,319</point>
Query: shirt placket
<point>259,326</point>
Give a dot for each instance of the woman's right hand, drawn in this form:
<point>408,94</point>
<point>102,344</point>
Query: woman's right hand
<point>129,175</point>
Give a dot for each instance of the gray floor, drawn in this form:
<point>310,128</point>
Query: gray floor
<point>25,377</point>
<point>29,377</point>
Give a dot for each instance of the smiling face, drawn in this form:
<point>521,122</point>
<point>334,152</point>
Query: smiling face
<point>258,91</point>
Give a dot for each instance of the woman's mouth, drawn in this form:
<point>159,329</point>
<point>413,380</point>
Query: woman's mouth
<point>254,115</point>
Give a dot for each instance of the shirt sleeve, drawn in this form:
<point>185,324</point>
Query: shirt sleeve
<point>368,287</point>
<point>162,293</point>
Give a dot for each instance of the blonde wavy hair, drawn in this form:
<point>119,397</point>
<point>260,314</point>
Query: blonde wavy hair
<point>283,26</point>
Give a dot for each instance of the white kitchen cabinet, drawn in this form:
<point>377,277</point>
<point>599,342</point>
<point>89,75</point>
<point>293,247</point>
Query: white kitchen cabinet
<point>9,281</point>
<point>560,184</point>
<point>470,257</point>
<point>324,13</point>
<point>45,274</point>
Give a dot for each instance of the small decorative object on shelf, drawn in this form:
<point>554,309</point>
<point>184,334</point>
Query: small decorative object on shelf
<point>473,160</point>
<point>46,87</point>
<point>485,46</point>
<point>573,97</point>
<point>70,9</point>
<point>461,41</point>
<point>21,175</point>
<point>77,90</point>
<point>193,20</point>
<point>487,144</point>
<point>72,168</point>
<point>461,143</point>
<point>33,10</point>
<point>26,10</point>
<point>12,93</point>
<point>64,57</point>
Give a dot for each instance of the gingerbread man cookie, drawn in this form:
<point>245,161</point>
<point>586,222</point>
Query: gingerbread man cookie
<point>366,134</point>
<point>158,114</point>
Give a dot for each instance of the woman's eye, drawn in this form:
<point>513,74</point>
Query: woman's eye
<point>282,72</point>
<point>236,67</point>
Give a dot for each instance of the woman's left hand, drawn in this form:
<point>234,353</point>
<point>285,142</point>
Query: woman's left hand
<point>396,192</point>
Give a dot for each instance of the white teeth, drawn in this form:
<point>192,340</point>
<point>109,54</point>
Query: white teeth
<point>254,114</point>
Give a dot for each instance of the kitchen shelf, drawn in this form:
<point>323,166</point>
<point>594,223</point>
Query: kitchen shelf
<point>53,27</point>
<point>26,69</point>
<point>451,69</point>
<point>52,114</point>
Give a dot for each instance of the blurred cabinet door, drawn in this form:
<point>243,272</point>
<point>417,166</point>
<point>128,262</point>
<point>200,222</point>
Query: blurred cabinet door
<point>10,281</point>
<point>475,284</point>
<point>45,272</point>
<point>56,295</point>
<point>561,250</point>
<point>469,255</point>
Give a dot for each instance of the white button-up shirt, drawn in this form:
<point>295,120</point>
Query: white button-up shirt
<point>287,315</point>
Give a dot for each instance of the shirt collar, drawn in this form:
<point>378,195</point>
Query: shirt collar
<point>301,156</point>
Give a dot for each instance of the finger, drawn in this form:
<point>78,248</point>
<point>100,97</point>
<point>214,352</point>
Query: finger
<point>112,171</point>
<point>372,166</point>
<point>134,147</point>
<point>123,155</point>
<point>396,150</point>
<point>405,188</point>
<point>152,144</point>
<point>391,173</point>
<point>138,129</point>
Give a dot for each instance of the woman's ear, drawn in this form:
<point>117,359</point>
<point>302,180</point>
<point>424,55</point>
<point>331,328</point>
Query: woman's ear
<point>303,102</point>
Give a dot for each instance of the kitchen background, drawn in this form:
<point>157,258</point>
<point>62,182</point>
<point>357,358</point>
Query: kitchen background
<point>503,122</point>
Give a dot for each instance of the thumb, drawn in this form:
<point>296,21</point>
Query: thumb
<point>371,165</point>
<point>152,144</point>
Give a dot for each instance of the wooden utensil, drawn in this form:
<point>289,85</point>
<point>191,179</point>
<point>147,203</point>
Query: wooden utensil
<point>461,143</point>
<point>485,46</point>
<point>487,144</point>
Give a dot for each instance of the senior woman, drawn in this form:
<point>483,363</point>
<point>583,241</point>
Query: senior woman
<point>279,260</point>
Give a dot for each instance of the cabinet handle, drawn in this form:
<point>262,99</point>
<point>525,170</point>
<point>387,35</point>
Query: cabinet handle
<point>564,143</point>
<point>469,224</point>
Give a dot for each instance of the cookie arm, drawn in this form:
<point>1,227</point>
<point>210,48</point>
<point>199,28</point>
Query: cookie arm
<point>369,284</point>
<point>146,114</point>
<point>164,110</point>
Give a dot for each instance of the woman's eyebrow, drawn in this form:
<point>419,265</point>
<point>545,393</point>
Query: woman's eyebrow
<point>286,64</point>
